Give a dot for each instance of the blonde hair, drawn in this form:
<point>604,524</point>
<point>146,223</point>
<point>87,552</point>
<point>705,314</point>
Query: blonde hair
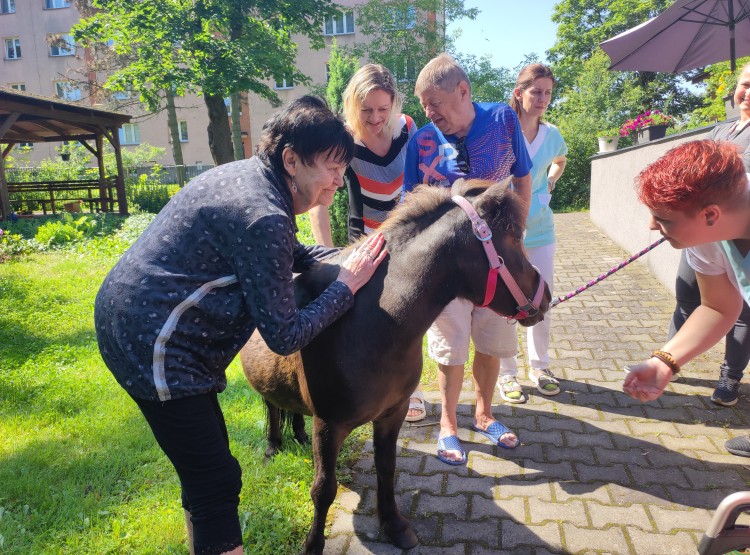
<point>371,77</point>
<point>442,72</point>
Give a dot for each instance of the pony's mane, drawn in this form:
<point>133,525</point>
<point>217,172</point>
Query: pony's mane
<point>498,206</point>
<point>428,199</point>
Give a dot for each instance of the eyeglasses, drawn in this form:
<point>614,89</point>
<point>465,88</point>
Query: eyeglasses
<point>462,156</point>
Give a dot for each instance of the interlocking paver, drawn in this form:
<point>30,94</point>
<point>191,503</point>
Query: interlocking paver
<point>632,515</point>
<point>597,471</point>
<point>645,543</point>
<point>519,538</point>
<point>573,511</point>
<point>514,508</point>
<point>587,540</point>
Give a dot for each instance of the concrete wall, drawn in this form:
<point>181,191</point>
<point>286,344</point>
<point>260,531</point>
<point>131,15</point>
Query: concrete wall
<point>616,210</point>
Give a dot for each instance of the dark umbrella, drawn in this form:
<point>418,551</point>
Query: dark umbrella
<point>687,35</point>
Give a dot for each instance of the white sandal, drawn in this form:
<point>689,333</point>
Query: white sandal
<point>545,381</point>
<point>416,402</point>
<point>510,389</point>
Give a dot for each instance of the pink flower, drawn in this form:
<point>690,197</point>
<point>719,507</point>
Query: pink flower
<point>649,117</point>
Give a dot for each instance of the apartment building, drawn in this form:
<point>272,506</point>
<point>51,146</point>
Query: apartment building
<point>39,56</point>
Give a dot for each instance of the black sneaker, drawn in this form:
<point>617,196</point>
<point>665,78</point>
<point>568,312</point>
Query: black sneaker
<point>739,446</point>
<point>727,392</point>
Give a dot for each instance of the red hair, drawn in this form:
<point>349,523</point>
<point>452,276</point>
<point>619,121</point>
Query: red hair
<point>692,176</point>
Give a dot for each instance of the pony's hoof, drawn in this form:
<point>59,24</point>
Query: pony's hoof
<point>402,536</point>
<point>271,451</point>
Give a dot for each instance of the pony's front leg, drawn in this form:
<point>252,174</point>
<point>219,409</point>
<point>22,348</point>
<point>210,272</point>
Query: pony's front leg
<point>327,440</point>
<point>396,527</point>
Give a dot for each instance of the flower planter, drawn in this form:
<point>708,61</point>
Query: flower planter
<point>608,144</point>
<point>72,207</point>
<point>649,133</point>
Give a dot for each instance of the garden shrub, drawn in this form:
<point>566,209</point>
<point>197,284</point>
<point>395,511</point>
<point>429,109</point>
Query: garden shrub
<point>339,214</point>
<point>12,244</point>
<point>66,230</point>
<point>149,196</point>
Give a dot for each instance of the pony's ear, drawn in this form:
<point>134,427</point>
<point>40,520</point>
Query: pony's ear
<point>470,188</point>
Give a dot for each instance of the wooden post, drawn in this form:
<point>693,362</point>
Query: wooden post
<point>122,202</point>
<point>5,208</point>
<point>103,189</point>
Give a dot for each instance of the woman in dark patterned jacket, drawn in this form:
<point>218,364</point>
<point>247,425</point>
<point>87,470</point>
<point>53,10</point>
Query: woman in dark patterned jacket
<point>214,265</point>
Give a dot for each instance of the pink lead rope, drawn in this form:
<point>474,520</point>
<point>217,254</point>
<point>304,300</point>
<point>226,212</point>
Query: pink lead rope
<point>620,266</point>
<point>482,232</point>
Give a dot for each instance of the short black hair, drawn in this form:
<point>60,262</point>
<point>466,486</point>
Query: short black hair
<point>309,127</point>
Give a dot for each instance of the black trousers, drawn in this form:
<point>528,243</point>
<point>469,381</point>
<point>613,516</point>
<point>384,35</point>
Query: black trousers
<point>737,354</point>
<point>192,433</point>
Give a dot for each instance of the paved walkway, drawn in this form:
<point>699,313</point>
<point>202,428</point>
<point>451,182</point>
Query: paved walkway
<point>596,472</point>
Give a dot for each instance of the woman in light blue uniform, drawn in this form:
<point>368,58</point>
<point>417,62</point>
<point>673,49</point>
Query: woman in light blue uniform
<point>547,150</point>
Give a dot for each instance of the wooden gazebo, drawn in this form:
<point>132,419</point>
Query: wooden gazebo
<point>29,118</point>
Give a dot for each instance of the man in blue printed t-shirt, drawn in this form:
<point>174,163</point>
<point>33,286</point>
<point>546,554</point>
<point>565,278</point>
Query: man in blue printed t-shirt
<point>466,140</point>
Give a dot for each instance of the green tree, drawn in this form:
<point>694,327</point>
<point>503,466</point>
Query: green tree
<point>341,67</point>
<point>593,103</point>
<point>212,47</point>
<point>403,35</point>
<point>488,83</point>
<point>721,82</point>
<point>583,24</point>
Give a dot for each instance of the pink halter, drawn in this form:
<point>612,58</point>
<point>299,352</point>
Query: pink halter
<point>482,232</point>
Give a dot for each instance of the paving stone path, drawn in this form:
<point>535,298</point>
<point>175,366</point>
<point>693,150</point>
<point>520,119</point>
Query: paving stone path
<point>596,471</point>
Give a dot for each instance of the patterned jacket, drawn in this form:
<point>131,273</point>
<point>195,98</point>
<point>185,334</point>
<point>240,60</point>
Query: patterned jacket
<point>213,266</point>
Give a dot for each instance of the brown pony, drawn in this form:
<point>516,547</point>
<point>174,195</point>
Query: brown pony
<point>365,365</point>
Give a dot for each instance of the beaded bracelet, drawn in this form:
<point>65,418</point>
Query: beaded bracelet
<point>667,359</point>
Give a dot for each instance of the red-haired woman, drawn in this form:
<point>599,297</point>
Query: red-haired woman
<point>737,350</point>
<point>699,200</point>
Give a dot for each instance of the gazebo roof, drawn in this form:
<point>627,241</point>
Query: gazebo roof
<point>31,118</point>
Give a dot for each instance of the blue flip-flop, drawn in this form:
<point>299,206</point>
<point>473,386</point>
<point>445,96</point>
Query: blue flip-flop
<point>494,432</point>
<point>450,443</point>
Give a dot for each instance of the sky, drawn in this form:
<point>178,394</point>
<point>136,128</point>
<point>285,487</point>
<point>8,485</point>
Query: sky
<point>507,30</point>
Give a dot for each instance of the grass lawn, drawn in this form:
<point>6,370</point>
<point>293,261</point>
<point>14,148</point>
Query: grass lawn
<point>80,471</point>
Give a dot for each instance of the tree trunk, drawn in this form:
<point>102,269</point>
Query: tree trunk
<point>239,149</point>
<point>174,133</point>
<point>219,136</point>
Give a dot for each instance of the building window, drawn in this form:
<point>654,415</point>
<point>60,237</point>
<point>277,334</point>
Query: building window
<point>284,83</point>
<point>341,24</point>
<point>121,95</point>
<point>67,91</point>
<point>61,45</point>
<point>17,86</point>
<point>182,128</point>
<point>404,71</point>
<point>12,49</point>
<point>396,19</point>
<point>55,4</point>
<point>130,134</point>
<point>7,6</point>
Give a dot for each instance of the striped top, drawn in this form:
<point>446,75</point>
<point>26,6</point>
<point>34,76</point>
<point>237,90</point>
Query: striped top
<point>375,182</point>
